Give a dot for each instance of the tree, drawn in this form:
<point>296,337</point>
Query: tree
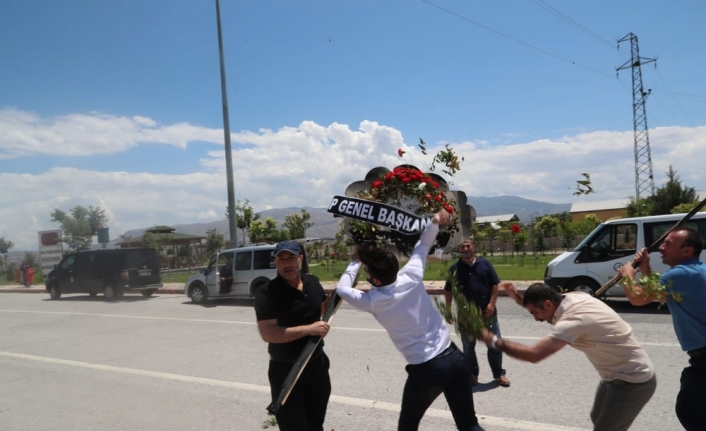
<point>685,208</point>
<point>245,215</point>
<point>78,228</point>
<point>671,194</point>
<point>639,207</point>
<point>587,224</point>
<point>261,231</point>
<point>297,224</point>
<point>31,259</point>
<point>339,245</point>
<point>156,241</point>
<point>567,233</point>
<point>214,241</point>
<point>5,246</point>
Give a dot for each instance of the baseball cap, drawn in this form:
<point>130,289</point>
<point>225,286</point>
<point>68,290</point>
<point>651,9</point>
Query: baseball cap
<point>290,246</point>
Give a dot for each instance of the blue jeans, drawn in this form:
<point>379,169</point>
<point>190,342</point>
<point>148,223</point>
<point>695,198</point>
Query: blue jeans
<point>449,374</point>
<point>305,408</point>
<point>691,401</point>
<point>495,357</point>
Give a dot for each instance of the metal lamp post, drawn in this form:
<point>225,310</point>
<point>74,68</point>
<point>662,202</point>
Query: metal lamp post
<point>232,219</point>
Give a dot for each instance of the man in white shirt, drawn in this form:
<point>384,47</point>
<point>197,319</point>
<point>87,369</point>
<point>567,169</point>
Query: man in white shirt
<point>399,302</point>
<point>587,324</point>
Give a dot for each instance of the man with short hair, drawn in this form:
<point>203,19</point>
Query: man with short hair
<point>399,302</point>
<point>288,311</point>
<point>587,324</point>
<point>478,282</point>
<point>686,277</point>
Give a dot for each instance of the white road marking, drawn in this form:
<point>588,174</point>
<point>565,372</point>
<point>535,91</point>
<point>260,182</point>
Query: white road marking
<point>358,402</point>
<point>236,322</point>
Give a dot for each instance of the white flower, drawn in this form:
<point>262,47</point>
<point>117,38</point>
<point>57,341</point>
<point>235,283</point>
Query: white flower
<point>421,186</point>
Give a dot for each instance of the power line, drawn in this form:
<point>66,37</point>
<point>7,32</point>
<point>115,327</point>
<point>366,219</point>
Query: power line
<point>517,40</point>
<point>673,97</point>
<point>542,4</point>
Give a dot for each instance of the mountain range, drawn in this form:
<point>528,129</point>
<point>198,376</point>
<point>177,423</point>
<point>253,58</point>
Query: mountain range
<point>326,226</point>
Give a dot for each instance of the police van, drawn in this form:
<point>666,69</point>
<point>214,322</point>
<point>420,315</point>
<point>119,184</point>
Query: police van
<point>613,243</point>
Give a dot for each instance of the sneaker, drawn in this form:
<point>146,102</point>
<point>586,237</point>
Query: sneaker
<point>503,381</point>
<point>474,380</point>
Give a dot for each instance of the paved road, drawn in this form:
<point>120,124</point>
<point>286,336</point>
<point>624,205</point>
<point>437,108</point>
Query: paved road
<point>162,363</point>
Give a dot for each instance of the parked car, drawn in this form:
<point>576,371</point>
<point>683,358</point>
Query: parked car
<point>110,272</point>
<point>598,258</point>
<point>251,266</point>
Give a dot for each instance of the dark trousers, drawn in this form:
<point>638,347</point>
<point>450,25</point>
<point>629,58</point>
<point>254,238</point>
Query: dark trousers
<point>305,408</point>
<point>691,401</point>
<point>617,403</point>
<point>495,357</point>
<point>449,374</point>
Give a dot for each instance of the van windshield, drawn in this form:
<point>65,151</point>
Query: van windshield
<point>589,237</point>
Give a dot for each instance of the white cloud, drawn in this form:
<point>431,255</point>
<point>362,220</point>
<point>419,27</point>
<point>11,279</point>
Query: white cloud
<point>305,166</point>
<point>27,134</point>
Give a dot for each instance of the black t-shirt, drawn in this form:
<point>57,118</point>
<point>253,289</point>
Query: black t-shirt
<point>226,271</point>
<point>475,281</point>
<point>291,307</point>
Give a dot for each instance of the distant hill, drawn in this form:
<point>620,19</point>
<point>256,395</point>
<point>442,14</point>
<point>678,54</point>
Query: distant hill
<point>326,226</point>
<point>526,209</point>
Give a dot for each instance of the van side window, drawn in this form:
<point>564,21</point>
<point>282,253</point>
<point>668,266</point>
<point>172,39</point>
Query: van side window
<point>654,231</point>
<point>84,261</point>
<point>243,261</point>
<point>263,260</point>
<point>68,263</point>
<point>613,241</point>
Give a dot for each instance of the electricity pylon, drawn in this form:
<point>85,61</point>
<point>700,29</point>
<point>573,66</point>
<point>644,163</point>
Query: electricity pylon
<point>644,182</point>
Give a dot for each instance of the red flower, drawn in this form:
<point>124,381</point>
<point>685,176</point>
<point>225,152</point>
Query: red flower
<point>400,152</point>
<point>435,184</point>
<point>449,208</point>
<point>406,179</point>
<point>515,228</point>
<point>377,183</point>
<point>389,176</point>
<point>438,198</point>
<point>427,197</point>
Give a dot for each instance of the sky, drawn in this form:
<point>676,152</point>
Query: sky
<point>117,104</point>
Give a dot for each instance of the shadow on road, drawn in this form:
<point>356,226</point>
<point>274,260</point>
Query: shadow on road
<point>100,298</point>
<point>483,387</point>
<point>230,302</point>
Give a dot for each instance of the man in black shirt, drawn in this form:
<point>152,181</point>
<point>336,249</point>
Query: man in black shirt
<point>478,282</point>
<point>226,274</point>
<point>288,311</point>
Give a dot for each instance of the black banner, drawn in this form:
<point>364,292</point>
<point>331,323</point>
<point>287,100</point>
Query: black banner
<point>380,214</point>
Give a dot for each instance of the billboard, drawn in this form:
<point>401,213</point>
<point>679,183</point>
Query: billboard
<point>50,250</point>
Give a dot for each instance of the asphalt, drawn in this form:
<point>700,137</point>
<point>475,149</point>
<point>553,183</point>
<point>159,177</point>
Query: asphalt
<point>434,287</point>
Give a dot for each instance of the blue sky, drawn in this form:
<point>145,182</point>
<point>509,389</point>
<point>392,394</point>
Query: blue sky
<point>117,104</point>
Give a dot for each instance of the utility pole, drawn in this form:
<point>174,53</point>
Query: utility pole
<point>232,217</point>
<point>644,181</point>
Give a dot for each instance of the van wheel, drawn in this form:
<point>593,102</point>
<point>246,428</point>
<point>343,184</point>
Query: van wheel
<point>147,293</point>
<point>54,292</point>
<point>198,294</point>
<point>583,285</point>
<point>119,293</point>
<point>109,293</point>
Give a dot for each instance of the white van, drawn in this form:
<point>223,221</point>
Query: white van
<point>613,243</point>
<point>252,266</point>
